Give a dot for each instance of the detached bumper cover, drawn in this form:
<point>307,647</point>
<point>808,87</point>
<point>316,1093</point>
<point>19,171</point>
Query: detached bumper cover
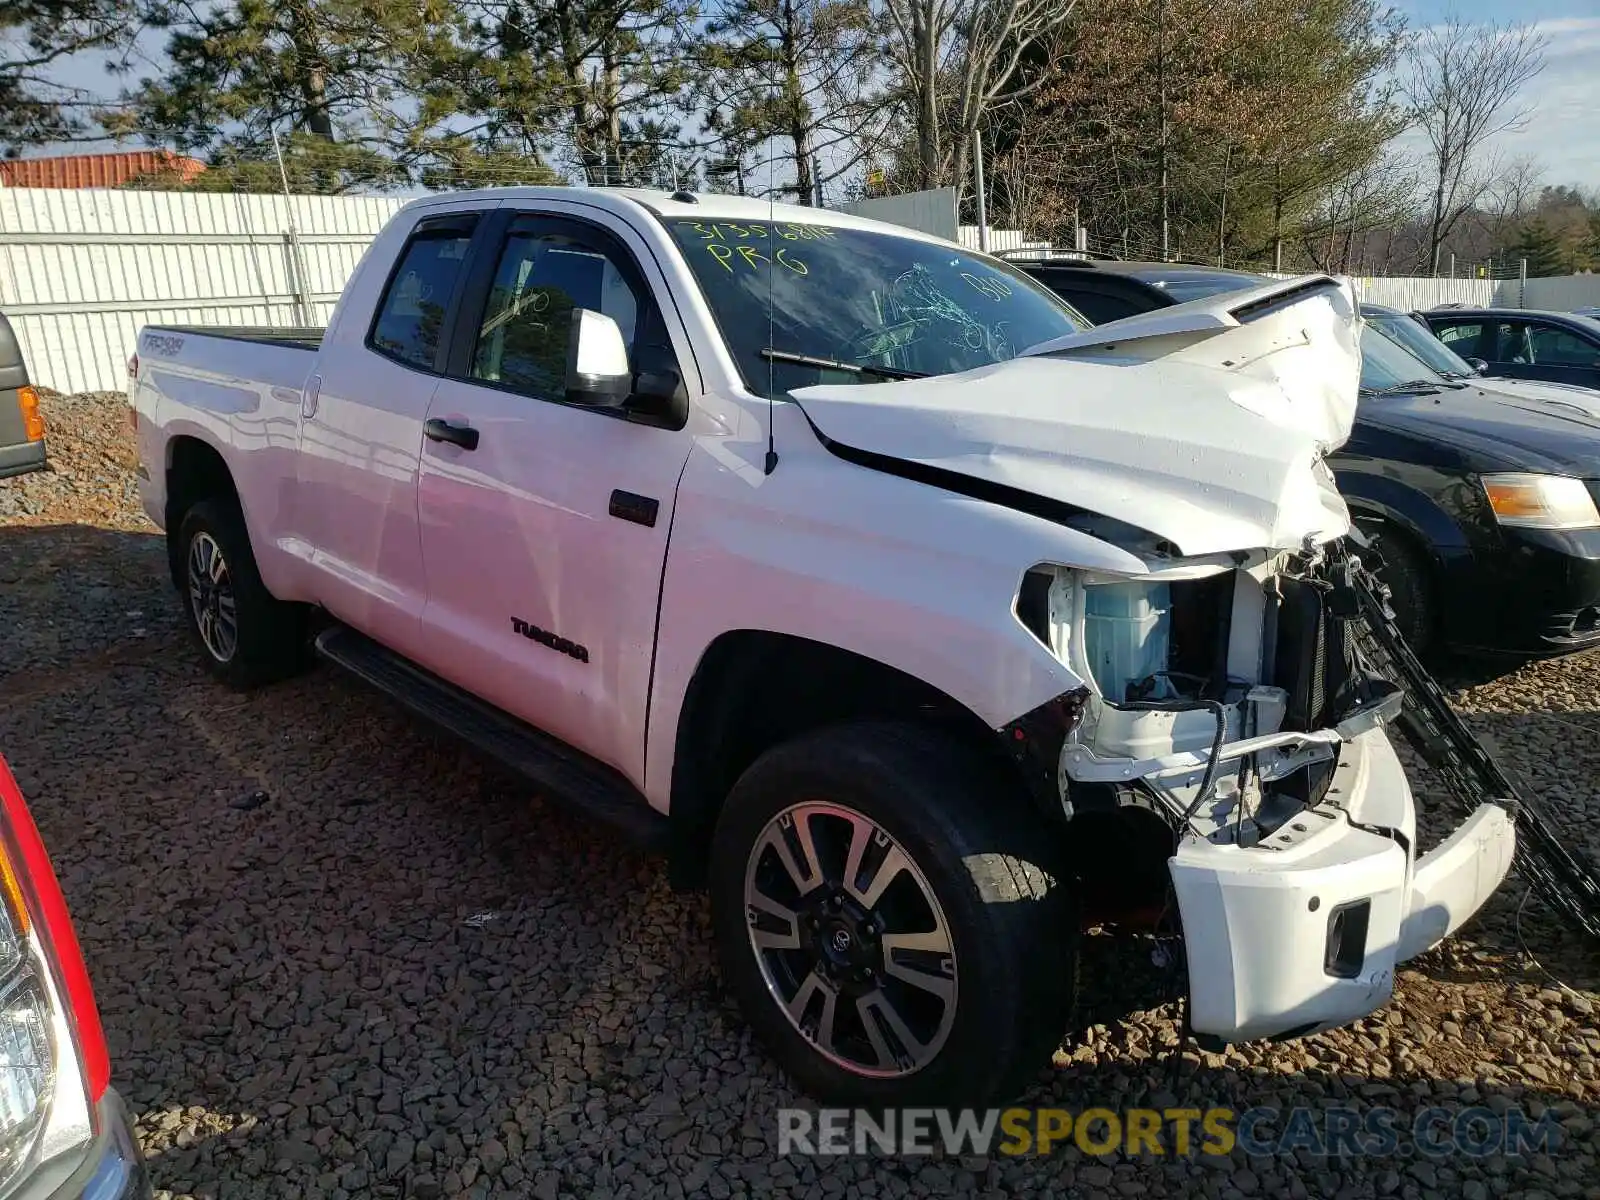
<point>1304,931</point>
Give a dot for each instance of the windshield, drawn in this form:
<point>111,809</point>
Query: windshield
<point>1386,364</point>
<point>861,298</point>
<point>1422,344</point>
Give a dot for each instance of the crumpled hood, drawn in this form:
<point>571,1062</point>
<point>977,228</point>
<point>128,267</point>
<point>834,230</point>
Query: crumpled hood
<point>1204,423</point>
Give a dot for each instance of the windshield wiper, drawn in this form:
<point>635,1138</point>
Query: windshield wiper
<point>834,364</point>
<point>1420,386</point>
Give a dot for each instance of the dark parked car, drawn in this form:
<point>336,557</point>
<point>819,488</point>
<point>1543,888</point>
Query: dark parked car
<point>1484,507</point>
<point>1559,347</point>
<point>1411,330</point>
<point>21,426</point>
<point>1110,289</point>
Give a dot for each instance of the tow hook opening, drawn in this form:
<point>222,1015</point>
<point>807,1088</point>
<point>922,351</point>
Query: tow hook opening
<point>1346,949</point>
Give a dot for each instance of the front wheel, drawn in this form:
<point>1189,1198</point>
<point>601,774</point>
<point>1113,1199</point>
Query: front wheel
<point>892,919</point>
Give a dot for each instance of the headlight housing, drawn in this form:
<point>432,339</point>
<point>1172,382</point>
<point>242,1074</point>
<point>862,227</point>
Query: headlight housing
<point>53,1065</point>
<point>1531,501</point>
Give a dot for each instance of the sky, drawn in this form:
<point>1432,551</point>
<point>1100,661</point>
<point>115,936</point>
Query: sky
<point>1562,131</point>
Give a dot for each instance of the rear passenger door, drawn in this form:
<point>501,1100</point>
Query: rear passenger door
<point>544,544</point>
<point>360,436</point>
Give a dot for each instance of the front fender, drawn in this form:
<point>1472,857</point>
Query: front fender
<point>899,572</point>
<point>1409,508</point>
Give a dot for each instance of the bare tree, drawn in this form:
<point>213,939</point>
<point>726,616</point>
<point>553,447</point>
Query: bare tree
<point>956,58</point>
<point>1460,85</point>
<point>1512,192</point>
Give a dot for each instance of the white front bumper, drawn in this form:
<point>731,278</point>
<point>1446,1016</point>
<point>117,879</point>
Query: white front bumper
<point>1258,921</point>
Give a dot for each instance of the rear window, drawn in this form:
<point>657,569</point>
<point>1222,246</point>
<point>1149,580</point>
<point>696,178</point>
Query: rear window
<point>411,314</point>
<point>1099,308</point>
<point>1186,287</point>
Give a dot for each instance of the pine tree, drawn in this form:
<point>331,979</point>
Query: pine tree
<point>35,35</point>
<point>1540,247</point>
<point>797,72</point>
<point>323,76</point>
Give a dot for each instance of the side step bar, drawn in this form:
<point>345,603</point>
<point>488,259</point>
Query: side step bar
<point>561,774</point>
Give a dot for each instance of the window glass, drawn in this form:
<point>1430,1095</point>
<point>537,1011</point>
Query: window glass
<point>1463,339</point>
<point>1558,348</point>
<point>411,315</point>
<point>1415,338</point>
<point>1511,343</point>
<point>1201,284</point>
<point>1099,308</point>
<point>861,297</point>
<point>1387,365</point>
<point>541,278</point>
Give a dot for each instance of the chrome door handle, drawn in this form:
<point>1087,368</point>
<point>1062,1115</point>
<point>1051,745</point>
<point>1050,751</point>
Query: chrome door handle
<point>309,397</point>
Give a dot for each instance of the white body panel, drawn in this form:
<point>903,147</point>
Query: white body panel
<point>1197,428</point>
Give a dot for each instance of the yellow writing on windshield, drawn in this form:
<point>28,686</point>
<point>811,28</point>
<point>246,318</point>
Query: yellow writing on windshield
<point>725,231</point>
<point>751,258</point>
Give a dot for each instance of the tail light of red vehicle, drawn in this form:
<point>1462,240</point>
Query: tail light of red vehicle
<point>54,1067</point>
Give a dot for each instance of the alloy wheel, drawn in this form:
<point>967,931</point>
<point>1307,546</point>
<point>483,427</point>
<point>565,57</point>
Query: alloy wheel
<point>211,598</point>
<point>851,940</point>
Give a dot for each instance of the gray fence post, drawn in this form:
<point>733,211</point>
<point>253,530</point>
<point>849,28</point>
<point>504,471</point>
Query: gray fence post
<point>1522,283</point>
<point>291,243</point>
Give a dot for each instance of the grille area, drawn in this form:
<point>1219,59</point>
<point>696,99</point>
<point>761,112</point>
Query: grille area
<point>1313,661</point>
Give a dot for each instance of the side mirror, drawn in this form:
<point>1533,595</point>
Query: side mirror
<point>597,361</point>
<point>1478,365</point>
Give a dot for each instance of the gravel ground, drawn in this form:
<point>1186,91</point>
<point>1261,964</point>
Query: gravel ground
<point>400,975</point>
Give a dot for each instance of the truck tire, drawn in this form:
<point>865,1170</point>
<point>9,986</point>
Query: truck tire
<point>942,970</point>
<point>246,635</point>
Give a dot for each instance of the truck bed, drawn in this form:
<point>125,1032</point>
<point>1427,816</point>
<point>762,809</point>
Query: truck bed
<point>295,337</point>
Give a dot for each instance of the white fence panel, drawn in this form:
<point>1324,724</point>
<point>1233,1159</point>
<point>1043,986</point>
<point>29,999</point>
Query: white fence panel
<point>1564,292</point>
<point>1408,293</point>
<point>932,211</point>
<point>82,270</point>
<point>1001,239</point>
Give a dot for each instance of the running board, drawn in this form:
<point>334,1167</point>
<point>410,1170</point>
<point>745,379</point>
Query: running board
<point>562,774</point>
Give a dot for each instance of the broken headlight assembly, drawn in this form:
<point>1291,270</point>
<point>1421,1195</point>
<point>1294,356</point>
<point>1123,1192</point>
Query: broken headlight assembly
<point>1215,684</point>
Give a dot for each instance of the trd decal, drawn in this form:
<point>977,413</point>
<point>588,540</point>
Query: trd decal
<point>545,638</point>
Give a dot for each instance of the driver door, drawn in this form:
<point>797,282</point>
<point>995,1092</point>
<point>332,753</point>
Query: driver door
<point>544,543</point>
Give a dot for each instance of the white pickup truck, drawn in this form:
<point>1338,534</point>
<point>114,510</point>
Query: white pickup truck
<point>917,620</point>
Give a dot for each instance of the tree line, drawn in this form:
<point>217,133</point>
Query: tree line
<point>1266,132</point>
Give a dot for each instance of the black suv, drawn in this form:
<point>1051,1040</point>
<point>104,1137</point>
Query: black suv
<point>1484,506</point>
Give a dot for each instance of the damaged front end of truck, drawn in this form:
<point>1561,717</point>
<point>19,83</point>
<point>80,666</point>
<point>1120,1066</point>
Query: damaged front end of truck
<point>1223,751</point>
<point>1232,720</point>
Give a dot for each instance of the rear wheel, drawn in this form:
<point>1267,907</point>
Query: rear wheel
<point>247,635</point>
<point>891,919</point>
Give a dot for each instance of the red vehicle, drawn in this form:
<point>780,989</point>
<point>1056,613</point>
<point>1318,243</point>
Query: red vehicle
<point>65,1134</point>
